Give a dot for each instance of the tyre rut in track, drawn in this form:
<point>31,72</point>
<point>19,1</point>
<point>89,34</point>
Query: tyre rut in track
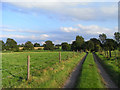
<point>70,83</point>
<point>107,80</point>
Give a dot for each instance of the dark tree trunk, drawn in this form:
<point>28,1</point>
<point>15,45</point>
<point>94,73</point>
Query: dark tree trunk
<point>115,58</point>
<point>107,54</point>
<point>110,53</point>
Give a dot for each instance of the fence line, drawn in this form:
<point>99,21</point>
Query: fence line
<point>12,75</point>
<point>28,66</point>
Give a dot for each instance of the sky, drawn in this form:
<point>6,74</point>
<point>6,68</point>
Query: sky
<point>57,21</point>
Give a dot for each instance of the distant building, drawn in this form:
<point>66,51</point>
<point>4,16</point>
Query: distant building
<point>20,48</point>
<point>38,48</point>
<point>35,48</point>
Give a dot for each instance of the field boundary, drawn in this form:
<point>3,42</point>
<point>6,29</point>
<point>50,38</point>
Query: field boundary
<point>106,78</point>
<point>71,82</point>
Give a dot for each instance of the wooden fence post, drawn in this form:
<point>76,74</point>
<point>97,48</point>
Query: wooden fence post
<point>28,67</point>
<point>59,57</point>
<point>77,52</point>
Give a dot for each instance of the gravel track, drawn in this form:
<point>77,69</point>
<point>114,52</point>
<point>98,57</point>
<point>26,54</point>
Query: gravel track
<point>106,78</point>
<point>71,82</point>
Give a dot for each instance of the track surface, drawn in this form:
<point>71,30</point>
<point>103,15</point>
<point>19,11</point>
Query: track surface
<point>107,80</point>
<point>70,83</point>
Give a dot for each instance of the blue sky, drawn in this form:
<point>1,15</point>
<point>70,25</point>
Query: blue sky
<point>57,21</point>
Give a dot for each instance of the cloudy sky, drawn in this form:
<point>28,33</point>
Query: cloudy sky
<point>57,21</point>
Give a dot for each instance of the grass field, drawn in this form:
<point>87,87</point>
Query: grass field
<point>45,69</point>
<point>89,77</point>
<point>112,66</point>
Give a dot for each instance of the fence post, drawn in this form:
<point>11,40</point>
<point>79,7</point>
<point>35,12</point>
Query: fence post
<point>59,57</point>
<point>77,52</point>
<point>28,67</point>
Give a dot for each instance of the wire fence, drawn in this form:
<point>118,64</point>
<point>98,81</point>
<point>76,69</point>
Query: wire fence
<point>14,75</point>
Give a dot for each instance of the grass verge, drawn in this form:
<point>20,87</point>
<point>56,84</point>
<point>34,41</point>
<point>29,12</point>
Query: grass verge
<point>89,77</point>
<point>111,67</point>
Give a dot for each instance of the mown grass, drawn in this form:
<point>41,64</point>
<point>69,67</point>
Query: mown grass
<point>89,77</point>
<point>111,65</point>
<point>45,68</point>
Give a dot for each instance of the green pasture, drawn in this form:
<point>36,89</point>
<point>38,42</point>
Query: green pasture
<point>45,69</point>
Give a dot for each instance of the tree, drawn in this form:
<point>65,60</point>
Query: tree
<point>2,45</point>
<point>77,45</point>
<point>22,45</point>
<point>110,45</point>
<point>65,46</point>
<point>117,36</point>
<point>11,44</point>
<point>36,45</point>
<point>28,46</point>
<point>96,44</point>
<point>91,45</point>
<point>58,46</point>
<point>48,45</point>
<point>84,46</point>
<point>79,38</point>
<point>102,38</point>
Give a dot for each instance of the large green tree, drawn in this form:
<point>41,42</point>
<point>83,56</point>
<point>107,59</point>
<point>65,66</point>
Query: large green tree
<point>2,45</point>
<point>22,45</point>
<point>102,38</point>
<point>91,45</point>
<point>97,44</point>
<point>36,45</point>
<point>11,44</point>
<point>28,45</point>
<point>65,46</point>
<point>110,45</point>
<point>117,36</point>
<point>48,45</point>
<point>78,44</point>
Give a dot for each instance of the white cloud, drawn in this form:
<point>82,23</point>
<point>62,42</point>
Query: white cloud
<point>109,10</point>
<point>32,37</point>
<point>95,30</point>
<point>6,29</point>
<point>69,29</point>
<point>44,36</point>
<point>89,29</point>
<point>59,1</point>
<point>13,36</point>
<point>70,10</point>
<point>42,43</point>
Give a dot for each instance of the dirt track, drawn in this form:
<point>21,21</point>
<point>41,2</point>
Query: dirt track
<point>70,83</point>
<point>106,78</point>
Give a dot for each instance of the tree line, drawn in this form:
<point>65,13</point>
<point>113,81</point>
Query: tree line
<point>97,45</point>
